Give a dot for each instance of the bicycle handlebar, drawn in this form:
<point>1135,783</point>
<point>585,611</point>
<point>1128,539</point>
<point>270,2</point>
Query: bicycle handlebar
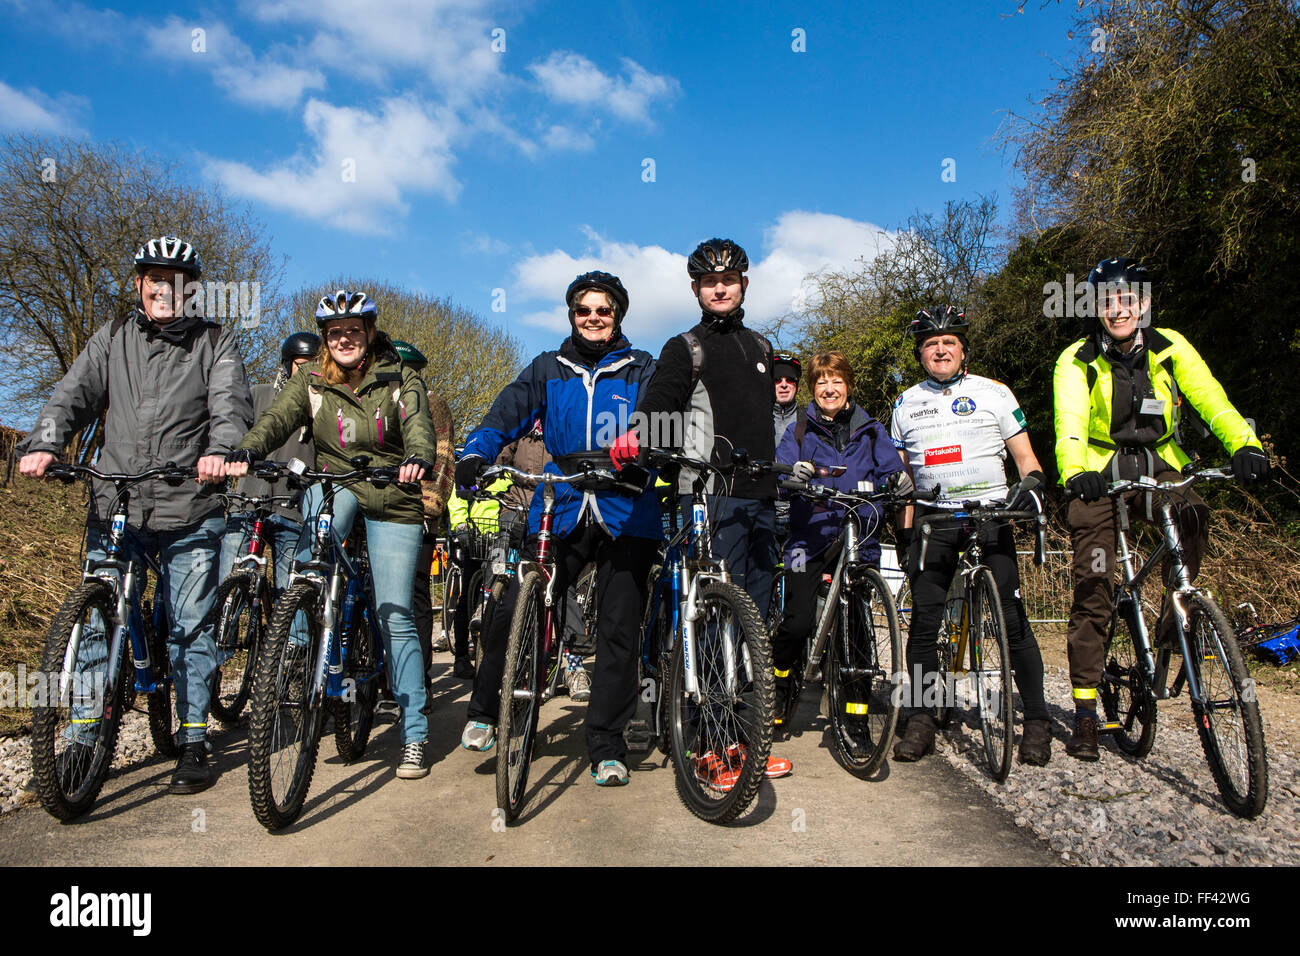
<point>826,493</point>
<point>171,473</point>
<point>589,475</point>
<point>1166,487</point>
<point>980,513</point>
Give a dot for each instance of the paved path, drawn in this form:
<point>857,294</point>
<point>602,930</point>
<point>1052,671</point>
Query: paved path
<point>363,815</point>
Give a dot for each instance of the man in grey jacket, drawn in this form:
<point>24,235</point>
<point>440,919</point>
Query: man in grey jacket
<point>785,412</point>
<point>172,389</point>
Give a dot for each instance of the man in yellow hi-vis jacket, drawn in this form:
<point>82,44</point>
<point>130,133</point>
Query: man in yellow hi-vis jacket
<point>483,514</point>
<point>1117,393</point>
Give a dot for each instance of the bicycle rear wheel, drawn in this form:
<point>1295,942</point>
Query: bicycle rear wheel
<point>239,634</point>
<point>520,697</point>
<point>452,584</point>
<point>284,723</point>
<point>720,743</point>
<point>990,659</point>
<point>863,661</point>
<point>1228,717</point>
<point>160,699</point>
<point>354,713</point>
<point>1124,693</point>
<point>656,652</point>
<point>75,726</point>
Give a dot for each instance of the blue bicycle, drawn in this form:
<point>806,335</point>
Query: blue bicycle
<point>87,678</point>
<point>322,650</point>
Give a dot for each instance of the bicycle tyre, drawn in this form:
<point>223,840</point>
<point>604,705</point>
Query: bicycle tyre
<point>69,794</point>
<point>660,643</point>
<point>450,597</point>
<point>520,697</point>
<point>239,633</point>
<point>1124,694</point>
<point>863,662</point>
<point>945,675</point>
<point>355,717</point>
<point>476,605</point>
<point>990,660</point>
<point>1242,778</point>
<point>282,750</point>
<point>720,746</point>
<point>160,700</point>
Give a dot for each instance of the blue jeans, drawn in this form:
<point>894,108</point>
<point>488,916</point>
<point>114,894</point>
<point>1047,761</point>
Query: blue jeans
<point>189,559</point>
<point>282,534</point>
<point>394,549</point>
<point>744,536</point>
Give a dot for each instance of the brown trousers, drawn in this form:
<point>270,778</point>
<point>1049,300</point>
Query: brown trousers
<point>1093,537</point>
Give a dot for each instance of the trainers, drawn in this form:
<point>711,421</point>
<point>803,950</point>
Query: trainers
<point>610,773</point>
<point>918,740</point>
<point>579,683</point>
<point>192,773</point>
<point>462,669</point>
<point>776,766</point>
<point>478,736</point>
<point>412,765</point>
<point>715,773</point>
<point>1036,743</point>
<point>1082,744</point>
<point>441,644</point>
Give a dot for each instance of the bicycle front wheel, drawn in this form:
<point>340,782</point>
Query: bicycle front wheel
<point>720,741</point>
<point>284,724</point>
<point>354,713</point>
<point>990,668</point>
<point>75,724</point>
<point>1124,693</point>
<point>240,626</point>
<point>954,619</point>
<point>864,662</point>
<point>1227,716</point>
<point>520,697</point>
<point>450,597</point>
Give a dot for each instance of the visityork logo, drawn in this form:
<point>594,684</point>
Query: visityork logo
<point>77,909</point>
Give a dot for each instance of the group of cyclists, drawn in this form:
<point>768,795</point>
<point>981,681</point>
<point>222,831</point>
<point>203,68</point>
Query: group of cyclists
<point>172,388</point>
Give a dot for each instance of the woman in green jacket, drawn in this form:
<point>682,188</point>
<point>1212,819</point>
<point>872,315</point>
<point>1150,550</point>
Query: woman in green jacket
<point>360,399</point>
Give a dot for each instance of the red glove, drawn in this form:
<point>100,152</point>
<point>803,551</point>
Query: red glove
<point>624,450</point>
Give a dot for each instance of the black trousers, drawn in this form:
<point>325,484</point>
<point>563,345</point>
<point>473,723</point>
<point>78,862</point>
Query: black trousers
<point>800,607</point>
<point>930,592</point>
<point>622,567</point>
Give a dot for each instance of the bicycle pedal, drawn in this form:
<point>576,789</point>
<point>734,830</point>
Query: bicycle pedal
<point>1109,726</point>
<point>637,736</point>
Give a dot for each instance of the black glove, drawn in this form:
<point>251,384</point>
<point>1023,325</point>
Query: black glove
<point>417,460</point>
<point>467,471</point>
<point>241,456</point>
<point>1249,463</point>
<point>1025,496</point>
<point>904,538</point>
<point>900,483</point>
<point>1087,485</point>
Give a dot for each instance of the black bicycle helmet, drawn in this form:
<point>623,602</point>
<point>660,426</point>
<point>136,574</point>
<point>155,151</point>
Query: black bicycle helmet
<point>786,365</point>
<point>1117,274</point>
<point>611,285</point>
<point>716,255</point>
<point>936,319</point>
<point>299,345</point>
<point>168,252</point>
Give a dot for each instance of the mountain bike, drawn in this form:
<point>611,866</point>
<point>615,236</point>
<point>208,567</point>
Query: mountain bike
<point>1222,693</point>
<point>244,602</point>
<point>973,641</point>
<point>89,678</point>
<point>856,640</point>
<point>321,650</point>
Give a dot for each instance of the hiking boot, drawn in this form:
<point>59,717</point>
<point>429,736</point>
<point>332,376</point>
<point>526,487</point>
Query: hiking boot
<point>478,736</point>
<point>1082,744</point>
<point>192,773</point>
<point>1036,743</point>
<point>610,773</point>
<point>918,740</point>
<point>782,704</point>
<point>412,765</point>
<point>579,683</point>
<point>463,669</point>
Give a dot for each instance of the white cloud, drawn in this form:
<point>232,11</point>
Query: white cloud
<point>31,111</point>
<point>798,243</point>
<point>482,242</point>
<point>564,137</point>
<point>572,78</point>
<point>404,148</point>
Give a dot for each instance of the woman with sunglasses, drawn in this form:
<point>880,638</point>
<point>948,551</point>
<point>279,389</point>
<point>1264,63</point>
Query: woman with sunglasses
<point>360,398</point>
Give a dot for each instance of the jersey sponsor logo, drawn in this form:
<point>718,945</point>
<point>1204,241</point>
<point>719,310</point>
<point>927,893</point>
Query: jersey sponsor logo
<point>898,401</point>
<point>924,413</point>
<point>1020,418</point>
<point>963,405</point>
<point>943,455</point>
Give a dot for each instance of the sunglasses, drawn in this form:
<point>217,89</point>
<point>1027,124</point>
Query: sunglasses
<point>583,311</point>
<point>354,332</point>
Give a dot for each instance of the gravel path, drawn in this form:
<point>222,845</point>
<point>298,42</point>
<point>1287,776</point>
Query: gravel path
<point>1163,810</point>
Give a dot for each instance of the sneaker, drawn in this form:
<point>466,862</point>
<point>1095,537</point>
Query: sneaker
<point>192,773</point>
<point>610,773</point>
<point>579,683</point>
<point>1036,743</point>
<point>918,740</point>
<point>412,765</point>
<point>1082,744</point>
<point>462,669</point>
<point>441,644</point>
<point>776,766</point>
<point>715,773</point>
<point>478,736</point>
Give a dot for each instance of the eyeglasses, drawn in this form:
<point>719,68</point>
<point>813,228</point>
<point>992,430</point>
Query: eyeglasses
<point>1123,300</point>
<point>154,280</point>
<point>582,311</point>
<point>352,332</point>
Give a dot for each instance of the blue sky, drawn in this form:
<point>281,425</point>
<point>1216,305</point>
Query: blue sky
<point>479,168</point>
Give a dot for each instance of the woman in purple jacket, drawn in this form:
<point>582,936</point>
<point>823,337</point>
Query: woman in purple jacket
<point>835,431</point>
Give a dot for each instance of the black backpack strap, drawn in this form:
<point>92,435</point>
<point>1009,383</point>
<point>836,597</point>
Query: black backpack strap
<point>800,429</point>
<point>697,356</point>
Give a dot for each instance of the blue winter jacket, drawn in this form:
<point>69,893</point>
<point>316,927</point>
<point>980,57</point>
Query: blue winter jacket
<point>868,455</point>
<point>582,409</point>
